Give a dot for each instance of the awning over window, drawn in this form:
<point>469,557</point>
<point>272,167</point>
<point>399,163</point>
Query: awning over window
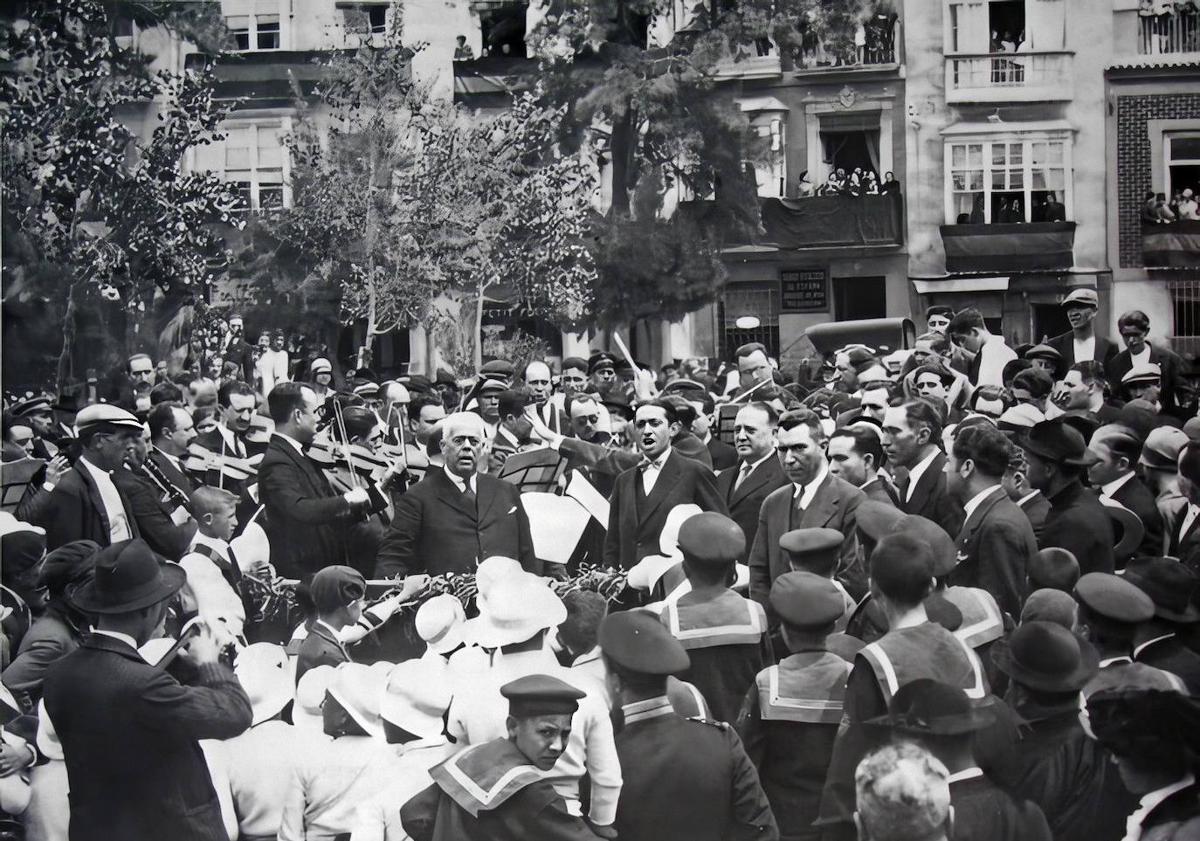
<point>993,128</point>
<point>761,103</point>
<point>960,284</point>
<point>1171,245</point>
<point>1009,248</point>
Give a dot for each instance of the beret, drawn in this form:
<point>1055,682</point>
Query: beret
<point>711,538</point>
<point>806,600</point>
<point>638,641</point>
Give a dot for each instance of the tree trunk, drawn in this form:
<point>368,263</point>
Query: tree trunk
<point>621,148</point>
<point>370,235</point>
<point>477,339</point>
<point>66,367</point>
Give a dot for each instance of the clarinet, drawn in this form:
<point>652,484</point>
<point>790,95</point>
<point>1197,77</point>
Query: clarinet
<point>177,497</point>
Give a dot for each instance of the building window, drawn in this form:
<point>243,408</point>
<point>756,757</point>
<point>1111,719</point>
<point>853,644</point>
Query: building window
<point>760,300</point>
<point>1006,26</point>
<point>365,18</point>
<point>1185,300</point>
<point>254,32</point>
<point>1181,161</point>
<point>254,161</point>
<point>503,26</point>
<point>1008,180</point>
<point>1165,28</point>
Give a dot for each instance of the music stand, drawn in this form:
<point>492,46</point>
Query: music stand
<point>534,470</point>
<point>14,477</point>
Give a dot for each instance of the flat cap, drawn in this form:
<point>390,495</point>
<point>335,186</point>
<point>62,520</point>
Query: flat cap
<point>1113,598</point>
<point>812,547</point>
<point>807,600</point>
<point>711,538</point>
<point>336,586</point>
<point>105,415</point>
<point>1043,352</point>
<point>492,386</point>
<point>1046,605</point>
<point>320,365</point>
<point>638,641</point>
<point>1162,448</point>
<point>541,695</point>
<point>497,367</point>
<point>1082,296</point>
<point>1148,372</point>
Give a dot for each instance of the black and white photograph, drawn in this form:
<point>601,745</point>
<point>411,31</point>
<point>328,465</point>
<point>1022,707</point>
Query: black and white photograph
<point>600,420</point>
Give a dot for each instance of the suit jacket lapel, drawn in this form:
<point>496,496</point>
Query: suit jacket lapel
<point>924,488</point>
<point>662,485</point>
<point>981,510</point>
<point>758,477</point>
<point>485,497</point>
<point>823,506</point>
<point>97,501</point>
<point>454,496</point>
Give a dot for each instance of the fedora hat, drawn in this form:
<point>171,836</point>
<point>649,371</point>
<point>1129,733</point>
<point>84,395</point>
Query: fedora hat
<point>929,707</point>
<point>439,622</point>
<point>1058,442</point>
<point>1046,657</point>
<point>128,577</point>
<point>268,676</point>
<point>416,697</point>
<point>1169,584</point>
<point>518,607</point>
<point>1126,525</point>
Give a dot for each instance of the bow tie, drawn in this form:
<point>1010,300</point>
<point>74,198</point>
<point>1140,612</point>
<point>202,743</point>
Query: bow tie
<point>647,463</point>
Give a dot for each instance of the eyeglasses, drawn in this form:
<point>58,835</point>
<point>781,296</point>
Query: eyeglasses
<point>587,418</point>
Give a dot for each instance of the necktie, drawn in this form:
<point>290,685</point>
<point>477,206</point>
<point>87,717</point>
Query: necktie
<point>742,474</point>
<point>468,494</point>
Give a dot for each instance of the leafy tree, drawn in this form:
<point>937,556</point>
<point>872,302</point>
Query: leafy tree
<point>96,217</point>
<point>659,115</point>
<point>419,212</point>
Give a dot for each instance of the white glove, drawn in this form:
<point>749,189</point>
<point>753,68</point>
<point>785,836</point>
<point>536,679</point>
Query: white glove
<point>356,496</point>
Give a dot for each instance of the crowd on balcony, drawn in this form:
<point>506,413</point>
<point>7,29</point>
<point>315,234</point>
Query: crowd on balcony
<point>1169,26</point>
<point>1182,207</point>
<point>858,182</point>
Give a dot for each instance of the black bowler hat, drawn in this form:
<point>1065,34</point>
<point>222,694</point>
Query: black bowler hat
<point>1059,442</point>
<point>1045,656</point>
<point>128,577</point>
<point>929,707</point>
<point>1169,584</point>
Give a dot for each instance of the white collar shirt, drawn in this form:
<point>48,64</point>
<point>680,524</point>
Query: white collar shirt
<point>651,469</point>
<point>459,482</point>
<point>917,472</point>
<point>1142,358</point>
<point>1110,488</point>
<point>117,635</point>
<point>1188,518</point>
<point>174,460</point>
<point>993,356</point>
<point>747,468</point>
<point>296,444</point>
<point>804,493</point>
<point>977,500</point>
<point>1133,824</point>
<point>965,774</point>
<point>110,498</point>
<point>1138,649</point>
<point>1085,350</point>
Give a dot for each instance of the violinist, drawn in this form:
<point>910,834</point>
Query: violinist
<point>357,432</point>
<point>171,431</point>
<point>237,402</point>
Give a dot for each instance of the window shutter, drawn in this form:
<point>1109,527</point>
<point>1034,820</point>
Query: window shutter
<point>1046,25</point>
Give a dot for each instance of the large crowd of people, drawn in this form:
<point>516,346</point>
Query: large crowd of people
<point>942,592</point>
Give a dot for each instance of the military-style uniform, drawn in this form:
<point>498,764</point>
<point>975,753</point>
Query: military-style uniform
<point>788,724</point>
<point>490,792</point>
<point>790,718</point>
<point>726,639</point>
<point>686,780</point>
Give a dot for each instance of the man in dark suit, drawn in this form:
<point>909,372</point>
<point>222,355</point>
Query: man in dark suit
<point>161,513</point>
<point>238,350</point>
<point>911,437</point>
<point>1134,327</point>
<point>757,473</point>
<point>1057,457</point>
<point>855,454</point>
<point>456,517</point>
<point>1185,538</point>
<point>1119,452</point>
<point>644,495</point>
<point>812,499</point>
<point>171,430</point>
<point>130,732</point>
<point>541,388</point>
<point>996,541</point>
<point>307,522</point>
<point>237,402</point>
<point>86,504</point>
<point>1081,343</point>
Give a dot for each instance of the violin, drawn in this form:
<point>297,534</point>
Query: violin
<point>200,459</point>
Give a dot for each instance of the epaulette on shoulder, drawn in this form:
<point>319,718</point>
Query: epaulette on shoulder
<point>720,725</point>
